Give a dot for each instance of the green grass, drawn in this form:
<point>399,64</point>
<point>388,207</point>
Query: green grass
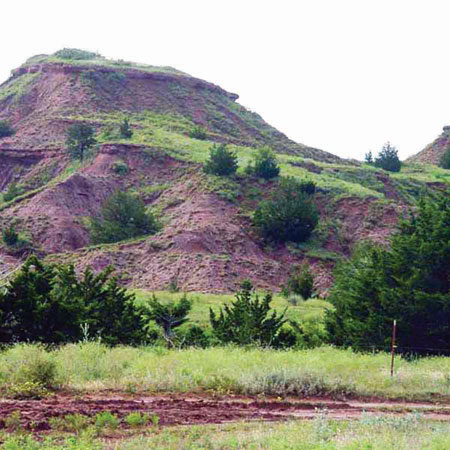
<point>91,367</point>
<point>17,87</point>
<point>369,433</point>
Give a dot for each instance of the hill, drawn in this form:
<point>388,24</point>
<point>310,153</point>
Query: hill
<point>433,152</point>
<point>207,242</point>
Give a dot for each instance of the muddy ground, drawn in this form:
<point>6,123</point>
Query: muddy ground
<point>196,409</point>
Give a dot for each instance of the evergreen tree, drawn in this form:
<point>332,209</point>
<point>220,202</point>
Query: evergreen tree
<point>222,161</point>
<point>369,158</point>
<point>248,320</point>
<point>123,216</point>
<point>290,215</point>
<point>80,138</point>
<point>445,159</point>
<point>264,164</point>
<point>409,282</point>
<point>6,129</point>
<point>125,130</point>
<point>388,159</point>
<point>168,315</point>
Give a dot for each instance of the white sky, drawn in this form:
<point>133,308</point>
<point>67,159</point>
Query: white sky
<point>341,75</point>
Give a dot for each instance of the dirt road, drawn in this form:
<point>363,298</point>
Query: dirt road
<point>195,409</point>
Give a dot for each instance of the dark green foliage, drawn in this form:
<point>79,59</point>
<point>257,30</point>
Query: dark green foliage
<point>445,159</point>
<point>123,216</point>
<point>369,158</point>
<point>168,315</point>
<point>247,320</point>
<point>10,236</point>
<point>388,159</point>
<point>13,191</point>
<point>301,281</point>
<point>290,215</point>
<point>222,161</point>
<point>48,303</point>
<point>264,164</point>
<point>6,129</point>
<point>194,336</point>
<point>120,167</point>
<point>409,282</point>
<point>198,132</point>
<point>125,130</point>
<point>76,54</point>
<point>80,138</point>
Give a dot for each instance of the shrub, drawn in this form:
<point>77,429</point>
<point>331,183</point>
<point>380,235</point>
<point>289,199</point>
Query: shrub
<point>248,320</point>
<point>445,159</point>
<point>368,158</point>
<point>6,129</point>
<point>106,419</point>
<point>76,54</point>
<point>125,130</point>
<point>123,216</point>
<point>13,191</point>
<point>301,281</point>
<point>198,132</point>
<point>290,215</point>
<point>409,282</point>
<point>264,164</point>
<point>222,161</point>
<point>194,336</point>
<point>388,159</point>
<point>79,139</point>
<point>120,167</point>
<point>137,419</point>
<point>168,315</point>
<point>10,236</point>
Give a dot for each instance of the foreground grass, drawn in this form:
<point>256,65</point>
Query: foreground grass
<point>371,432</point>
<point>92,366</point>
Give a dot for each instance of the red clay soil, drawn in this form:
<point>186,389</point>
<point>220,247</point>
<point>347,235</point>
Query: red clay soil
<point>194,409</point>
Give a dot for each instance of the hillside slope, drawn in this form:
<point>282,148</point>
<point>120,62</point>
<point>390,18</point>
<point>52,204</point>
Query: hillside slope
<point>207,242</point>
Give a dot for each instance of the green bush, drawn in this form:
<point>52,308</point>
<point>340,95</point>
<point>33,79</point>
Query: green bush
<point>123,216</point>
<point>290,215</point>
<point>10,236</point>
<point>79,139</point>
<point>264,164</point>
<point>120,167</point>
<point>106,419</point>
<point>408,282</point>
<point>76,54</point>
<point>125,130</point>
<point>445,159</point>
<point>13,191</point>
<point>137,419</point>
<point>301,281</point>
<point>222,161</point>
<point>247,320</point>
<point>198,132</point>
<point>388,159</point>
<point>6,129</point>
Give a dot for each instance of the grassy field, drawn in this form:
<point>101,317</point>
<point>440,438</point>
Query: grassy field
<point>369,433</point>
<point>91,366</point>
<point>312,309</point>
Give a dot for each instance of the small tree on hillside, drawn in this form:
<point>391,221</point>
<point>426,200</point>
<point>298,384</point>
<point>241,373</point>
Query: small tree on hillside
<point>445,159</point>
<point>247,320</point>
<point>168,315</point>
<point>123,216</point>
<point>264,164</point>
<point>388,159</point>
<point>125,130</point>
<point>222,161</point>
<point>290,214</point>
<point>6,129</point>
<point>369,158</point>
<point>80,138</point>
<point>198,132</point>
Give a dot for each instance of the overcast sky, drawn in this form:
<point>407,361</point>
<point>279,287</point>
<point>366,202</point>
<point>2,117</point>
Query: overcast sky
<point>345,76</point>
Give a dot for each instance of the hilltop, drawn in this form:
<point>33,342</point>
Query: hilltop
<point>207,242</point>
